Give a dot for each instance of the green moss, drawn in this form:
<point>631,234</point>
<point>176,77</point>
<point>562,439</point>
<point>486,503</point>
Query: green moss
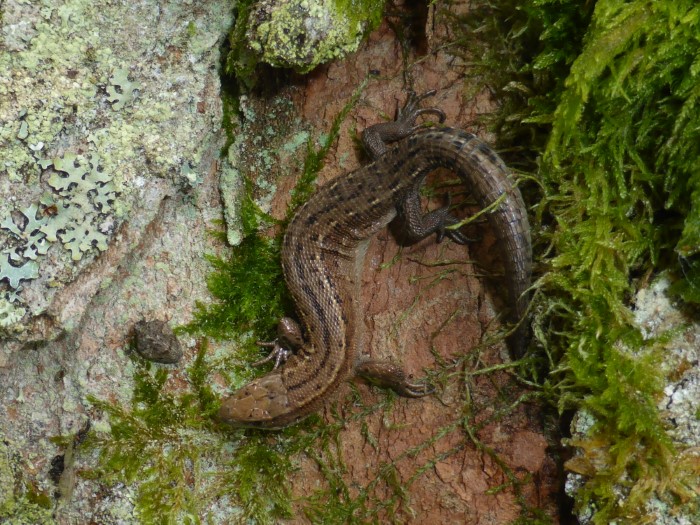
<point>600,103</point>
<point>176,458</point>
<point>240,60</point>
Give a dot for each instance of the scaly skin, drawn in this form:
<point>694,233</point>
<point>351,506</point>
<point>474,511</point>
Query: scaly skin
<point>324,248</point>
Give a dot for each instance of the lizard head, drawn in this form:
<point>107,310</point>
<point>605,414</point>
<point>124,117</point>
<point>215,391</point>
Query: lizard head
<point>262,403</point>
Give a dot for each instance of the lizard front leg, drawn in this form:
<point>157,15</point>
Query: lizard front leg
<point>415,224</point>
<point>377,138</point>
<point>288,339</point>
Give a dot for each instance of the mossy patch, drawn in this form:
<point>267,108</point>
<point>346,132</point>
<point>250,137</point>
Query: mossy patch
<point>600,103</point>
<point>179,461</point>
<point>166,444</point>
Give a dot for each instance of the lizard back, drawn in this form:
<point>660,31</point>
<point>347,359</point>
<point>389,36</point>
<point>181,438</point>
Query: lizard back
<point>322,255</point>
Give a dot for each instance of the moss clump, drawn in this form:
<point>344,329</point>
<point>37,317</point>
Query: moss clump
<point>177,459</point>
<point>606,97</point>
<point>298,34</point>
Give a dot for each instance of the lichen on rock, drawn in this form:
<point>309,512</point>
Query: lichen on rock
<point>301,34</point>
<point>18,504</point>
<point>93,120</point>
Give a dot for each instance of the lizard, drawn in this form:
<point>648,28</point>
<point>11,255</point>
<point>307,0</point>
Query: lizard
<point>324,248</point>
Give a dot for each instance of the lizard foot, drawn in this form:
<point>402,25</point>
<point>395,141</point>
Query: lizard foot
<point>389,375</point>
<point>416,225</point>
<point>288,339</point>
<point>377,137</point>
<point>447,219</point>
<point>279,353</point>
<point>410,112</point>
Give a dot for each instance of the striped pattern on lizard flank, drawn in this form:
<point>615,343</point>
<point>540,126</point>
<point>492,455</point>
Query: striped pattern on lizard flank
<point>324,246</point>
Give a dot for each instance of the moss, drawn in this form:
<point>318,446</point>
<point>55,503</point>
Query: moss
<point>179,461</point>
<point>605,97</point>
<point>298,34</point>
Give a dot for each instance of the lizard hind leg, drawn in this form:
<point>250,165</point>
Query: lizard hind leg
<point>388,374</point>
<point>414,225</point>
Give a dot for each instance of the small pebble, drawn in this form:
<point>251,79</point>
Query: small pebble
<point>156,342</point>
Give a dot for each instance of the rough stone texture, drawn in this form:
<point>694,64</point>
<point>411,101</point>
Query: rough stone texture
<point>110,133</point>
<point>108,109</point>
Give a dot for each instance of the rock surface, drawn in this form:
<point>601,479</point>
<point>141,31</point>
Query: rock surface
<point>110,132</point>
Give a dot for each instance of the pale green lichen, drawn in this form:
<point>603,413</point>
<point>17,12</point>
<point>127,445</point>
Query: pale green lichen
<point>79,121</point>
<point>75,215</point>
<point>15,274</point>
<point>87,195</point>
<point>298,34</point>
<point>19,504</point>
<point>53,85</point>
<point>32,240</point>
<point>303,34</point>
<point>10,315</point>
<point>121,90</point>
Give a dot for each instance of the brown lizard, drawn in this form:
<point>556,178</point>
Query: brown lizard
<point>324,248</point>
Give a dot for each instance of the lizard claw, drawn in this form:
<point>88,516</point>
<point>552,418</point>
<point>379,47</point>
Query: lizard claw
<point>455,236</point>
<point>407,389</point>
<point>410,112</point>
<point>279,353</point>
<point>448,219</point>
<point>377,137</point>
<point>288,339</point>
